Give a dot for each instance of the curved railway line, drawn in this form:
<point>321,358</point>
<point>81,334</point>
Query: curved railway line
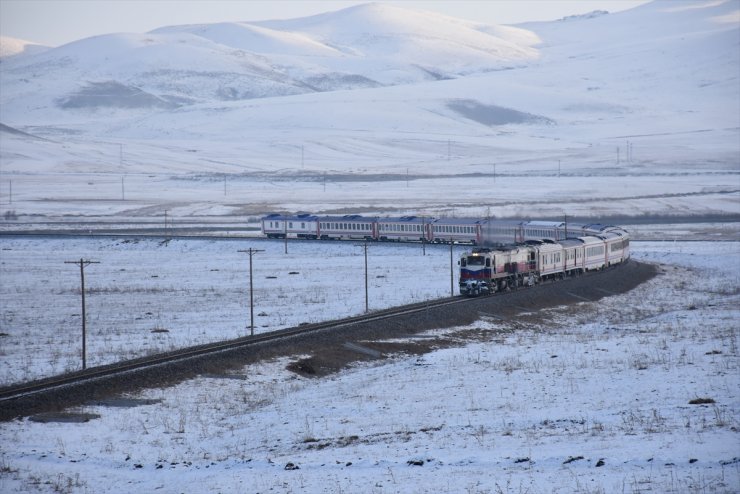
<point>59,392</point>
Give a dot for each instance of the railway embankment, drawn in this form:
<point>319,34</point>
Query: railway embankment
<point>329,349</point>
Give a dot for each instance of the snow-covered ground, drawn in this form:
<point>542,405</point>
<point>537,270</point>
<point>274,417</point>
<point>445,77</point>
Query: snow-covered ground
<point>147,296</point>
<point>632,114</point>
<point>592,397</point>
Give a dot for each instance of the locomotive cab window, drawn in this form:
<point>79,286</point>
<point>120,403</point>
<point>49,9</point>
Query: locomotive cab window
<point>475,261</point>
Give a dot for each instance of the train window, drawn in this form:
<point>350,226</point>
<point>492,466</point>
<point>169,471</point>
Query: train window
<point>476,260</point>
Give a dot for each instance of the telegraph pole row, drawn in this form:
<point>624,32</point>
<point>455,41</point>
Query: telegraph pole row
<point>251,252</point>
<point>83,263</point>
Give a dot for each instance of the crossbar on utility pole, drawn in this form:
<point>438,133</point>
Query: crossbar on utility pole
<point>364,246</point>
<point>83,263</point>
<point>251,252</point>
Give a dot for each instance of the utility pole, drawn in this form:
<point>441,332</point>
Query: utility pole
<point>452,275</point>
<point>285,223</point>
<point>423,236</point>
<point>83,263</point>
<point>10,190</point>
<point>251,252</point>
<point>558,168</point>
<point>123,193</point>
<point>366,297</point>
<point>165,224</point>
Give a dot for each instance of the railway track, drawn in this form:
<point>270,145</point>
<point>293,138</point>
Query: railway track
<point>84,387</point>
<point>11,393</point>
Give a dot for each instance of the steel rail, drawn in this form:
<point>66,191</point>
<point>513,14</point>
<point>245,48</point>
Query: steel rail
<point>120,368</point>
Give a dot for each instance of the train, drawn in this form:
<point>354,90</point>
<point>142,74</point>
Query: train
<point>473,231</point>
<point>486,270</point>
<point>506,254</point>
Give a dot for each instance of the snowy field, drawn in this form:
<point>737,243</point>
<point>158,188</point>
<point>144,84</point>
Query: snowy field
<point>147,296</point>
<point>630,114</point>
<point>592,397</point>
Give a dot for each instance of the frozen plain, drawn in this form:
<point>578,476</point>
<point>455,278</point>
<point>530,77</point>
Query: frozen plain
<point>592,397</point>
<point>492,417</point>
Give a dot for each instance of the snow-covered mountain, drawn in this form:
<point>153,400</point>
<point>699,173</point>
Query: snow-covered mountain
<point>375,88</point>
<point>10,47</point>
<point>367,46</point>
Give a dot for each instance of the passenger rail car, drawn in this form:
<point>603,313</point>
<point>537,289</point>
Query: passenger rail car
<point>403,229</point>
<point>350,227</point>
<point>298,226</point>
<point>456,230</point>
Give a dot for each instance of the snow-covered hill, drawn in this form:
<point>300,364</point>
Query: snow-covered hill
<point>381,90</point>
<point>10,47</point>
<point>366,46</point>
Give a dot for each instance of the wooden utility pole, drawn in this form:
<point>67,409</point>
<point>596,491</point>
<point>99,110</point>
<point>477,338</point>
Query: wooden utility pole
<point>364,246</point>
<point>251,252</point>
<point>285,224</point>
<point>452,275</point>
<point>83,263</point>
<point>423,236</point>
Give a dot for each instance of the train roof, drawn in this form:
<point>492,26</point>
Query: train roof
<point>548,224</point>
<point>597,227</point>
<point>457,221</point>
<point>497,248</point>
<point>348,217</point>
<point>590,239</point>
<point>571,242</point>
<point>295,217</point>
<point>406,219</point>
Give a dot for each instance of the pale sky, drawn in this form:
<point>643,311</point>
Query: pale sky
<point>56,22</point>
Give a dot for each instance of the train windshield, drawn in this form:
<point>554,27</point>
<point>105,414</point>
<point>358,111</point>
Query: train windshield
<point>476,260</point>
